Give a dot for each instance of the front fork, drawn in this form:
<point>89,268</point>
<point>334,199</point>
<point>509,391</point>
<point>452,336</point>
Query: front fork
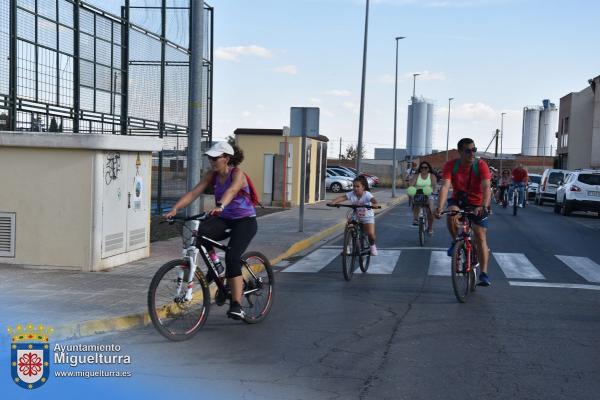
<point>190,256</point>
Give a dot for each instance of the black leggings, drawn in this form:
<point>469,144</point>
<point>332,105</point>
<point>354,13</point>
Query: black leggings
<point>242,232</point>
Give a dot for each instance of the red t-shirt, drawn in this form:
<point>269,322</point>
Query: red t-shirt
<point>519,175</point>
<point>460,180</point>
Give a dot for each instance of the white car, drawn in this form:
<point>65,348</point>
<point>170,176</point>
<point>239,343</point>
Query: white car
<point>341,171</point>
<point>547,188</point>
<point>579,192</point>
<point>337,183</point>
<point>532,185</point>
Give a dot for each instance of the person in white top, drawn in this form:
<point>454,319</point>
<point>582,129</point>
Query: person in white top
<point>360,196</point>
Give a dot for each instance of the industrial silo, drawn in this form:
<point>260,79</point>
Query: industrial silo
<point>548,126</point>
<point>531,124</point>
<point>429,129</point>
<point>417,127</point>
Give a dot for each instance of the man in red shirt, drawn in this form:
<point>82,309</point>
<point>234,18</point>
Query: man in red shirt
<point>519,180</point>
<point>471,189</point>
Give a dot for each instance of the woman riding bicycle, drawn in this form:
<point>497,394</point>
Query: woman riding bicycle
<point>424,179</point>
<point>234,210</point>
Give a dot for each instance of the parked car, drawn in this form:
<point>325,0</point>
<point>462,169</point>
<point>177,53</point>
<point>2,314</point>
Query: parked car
<point>533,184</point>
<point>579,192</point>
<point>337,183</point>
<point>549,183</point>
<point>351,172</point>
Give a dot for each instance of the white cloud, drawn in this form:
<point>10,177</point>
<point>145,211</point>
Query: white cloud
<point>327,114</point>
<point>338,93</point>
<point>427,76</point>
<point>246,114</point>
<point>234,53</point>
<point>314,100</point>
<point>350,105</point>
<point>387,78</point>
<point>287,69</point>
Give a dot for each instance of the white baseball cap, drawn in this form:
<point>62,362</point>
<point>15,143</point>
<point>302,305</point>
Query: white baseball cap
<point>220,148</point>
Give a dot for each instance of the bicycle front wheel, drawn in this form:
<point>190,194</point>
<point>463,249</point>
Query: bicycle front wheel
<point>257,298</point>
<point>421,232</point>
<point>460,276</point>
<point>349,254</point>
<point>174,314</point>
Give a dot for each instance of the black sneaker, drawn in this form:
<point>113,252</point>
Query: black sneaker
<point>235,311</point>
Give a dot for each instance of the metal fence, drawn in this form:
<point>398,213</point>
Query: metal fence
<point>68,66</point>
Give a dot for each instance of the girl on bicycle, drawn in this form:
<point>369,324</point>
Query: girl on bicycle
<point>424,179</point>
<point>503,185</point>
<point>234,210</point>
<point>361,196</point>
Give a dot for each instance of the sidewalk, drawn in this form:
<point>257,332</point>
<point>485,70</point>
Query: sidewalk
<point>78,304</point>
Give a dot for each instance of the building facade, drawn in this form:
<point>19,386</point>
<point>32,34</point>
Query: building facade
<point>578,137</point>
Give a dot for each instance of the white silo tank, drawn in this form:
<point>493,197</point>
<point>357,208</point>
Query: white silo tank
<point>419,124</point>
<point>429,129</point>
<point>531,123</point>
<point>547,130</point>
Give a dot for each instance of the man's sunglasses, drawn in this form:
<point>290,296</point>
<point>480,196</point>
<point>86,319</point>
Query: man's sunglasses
<point>471,151</point>
<point>214,158</point>
<point>424,167</point>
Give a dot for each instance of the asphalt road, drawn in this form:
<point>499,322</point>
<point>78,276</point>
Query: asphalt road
<point>400,333</point>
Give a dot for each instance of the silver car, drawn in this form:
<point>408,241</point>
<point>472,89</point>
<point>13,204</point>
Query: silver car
<point>337,183</point>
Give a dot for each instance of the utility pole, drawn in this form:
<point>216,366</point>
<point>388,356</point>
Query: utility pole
<point>194,154</point>
<point>501,138</point>
<point>394,158</point>
<point>340,156</point>
<point>496,150</point>
<point>448,131</point>
<point>362,95</point>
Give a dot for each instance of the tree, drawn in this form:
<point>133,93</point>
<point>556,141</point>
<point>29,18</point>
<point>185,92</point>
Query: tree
<point>351,153</point>
<point>231,140</point>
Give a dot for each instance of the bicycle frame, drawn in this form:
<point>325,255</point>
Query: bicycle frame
<point>190,255</point>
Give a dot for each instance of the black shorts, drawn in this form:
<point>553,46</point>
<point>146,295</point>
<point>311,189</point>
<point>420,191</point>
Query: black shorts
<point>482,221</point>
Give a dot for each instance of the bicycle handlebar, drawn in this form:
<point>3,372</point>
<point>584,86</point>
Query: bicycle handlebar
<point>353,206</point>
<point>198,217</point>
<point>456,212</point>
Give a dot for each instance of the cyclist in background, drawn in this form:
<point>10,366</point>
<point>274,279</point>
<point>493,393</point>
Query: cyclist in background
<point>519,180</point>
<point>360,196</point>
<point>470,180</point>
<point>425,178</point>
<point>503,185</point>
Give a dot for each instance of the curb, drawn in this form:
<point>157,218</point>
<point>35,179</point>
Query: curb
<point>127,322</point>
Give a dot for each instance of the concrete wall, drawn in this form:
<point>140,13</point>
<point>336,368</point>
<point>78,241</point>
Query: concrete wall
<point>595,147</point>
<point>55,212</point>
<point>580,129</point>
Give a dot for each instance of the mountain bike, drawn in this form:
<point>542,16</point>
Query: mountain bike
<point>179,296</point>
<point>465,263</point>
<point>422,201</point>
<point>356,242</point>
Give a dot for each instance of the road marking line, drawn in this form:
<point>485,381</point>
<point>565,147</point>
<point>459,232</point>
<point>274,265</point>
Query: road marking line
<point>384,262</point>
<point>392,248</point>
<point>555,285</point>
<point>517,266</point>
<point>583,266</point>
<point>439,264</point>
<point>315,261</point>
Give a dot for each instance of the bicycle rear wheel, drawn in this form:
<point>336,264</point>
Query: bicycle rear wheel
<point>460,277</point>
<point>257,297</point>
<point>174,316</point>
<point>365,253</point>
<point>349,253</point>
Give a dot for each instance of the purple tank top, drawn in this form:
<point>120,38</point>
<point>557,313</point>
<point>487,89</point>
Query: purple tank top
<point>241,205</point>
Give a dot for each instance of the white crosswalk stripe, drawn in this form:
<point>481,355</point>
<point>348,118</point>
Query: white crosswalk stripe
<point>583,266</point>
<point>439,264</point>
<point>517,266</point>
<point>384,262</point>
<point>315,261</point>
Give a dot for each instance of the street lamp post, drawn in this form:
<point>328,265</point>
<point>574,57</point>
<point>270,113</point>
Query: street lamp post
<point>362,95</point>
<point>394,171</point>
<point>412,120</point>
<point>501,139</point>
<point>448,131</point>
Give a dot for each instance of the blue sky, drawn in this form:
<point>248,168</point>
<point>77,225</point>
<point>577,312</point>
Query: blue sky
<point>492,56</point>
